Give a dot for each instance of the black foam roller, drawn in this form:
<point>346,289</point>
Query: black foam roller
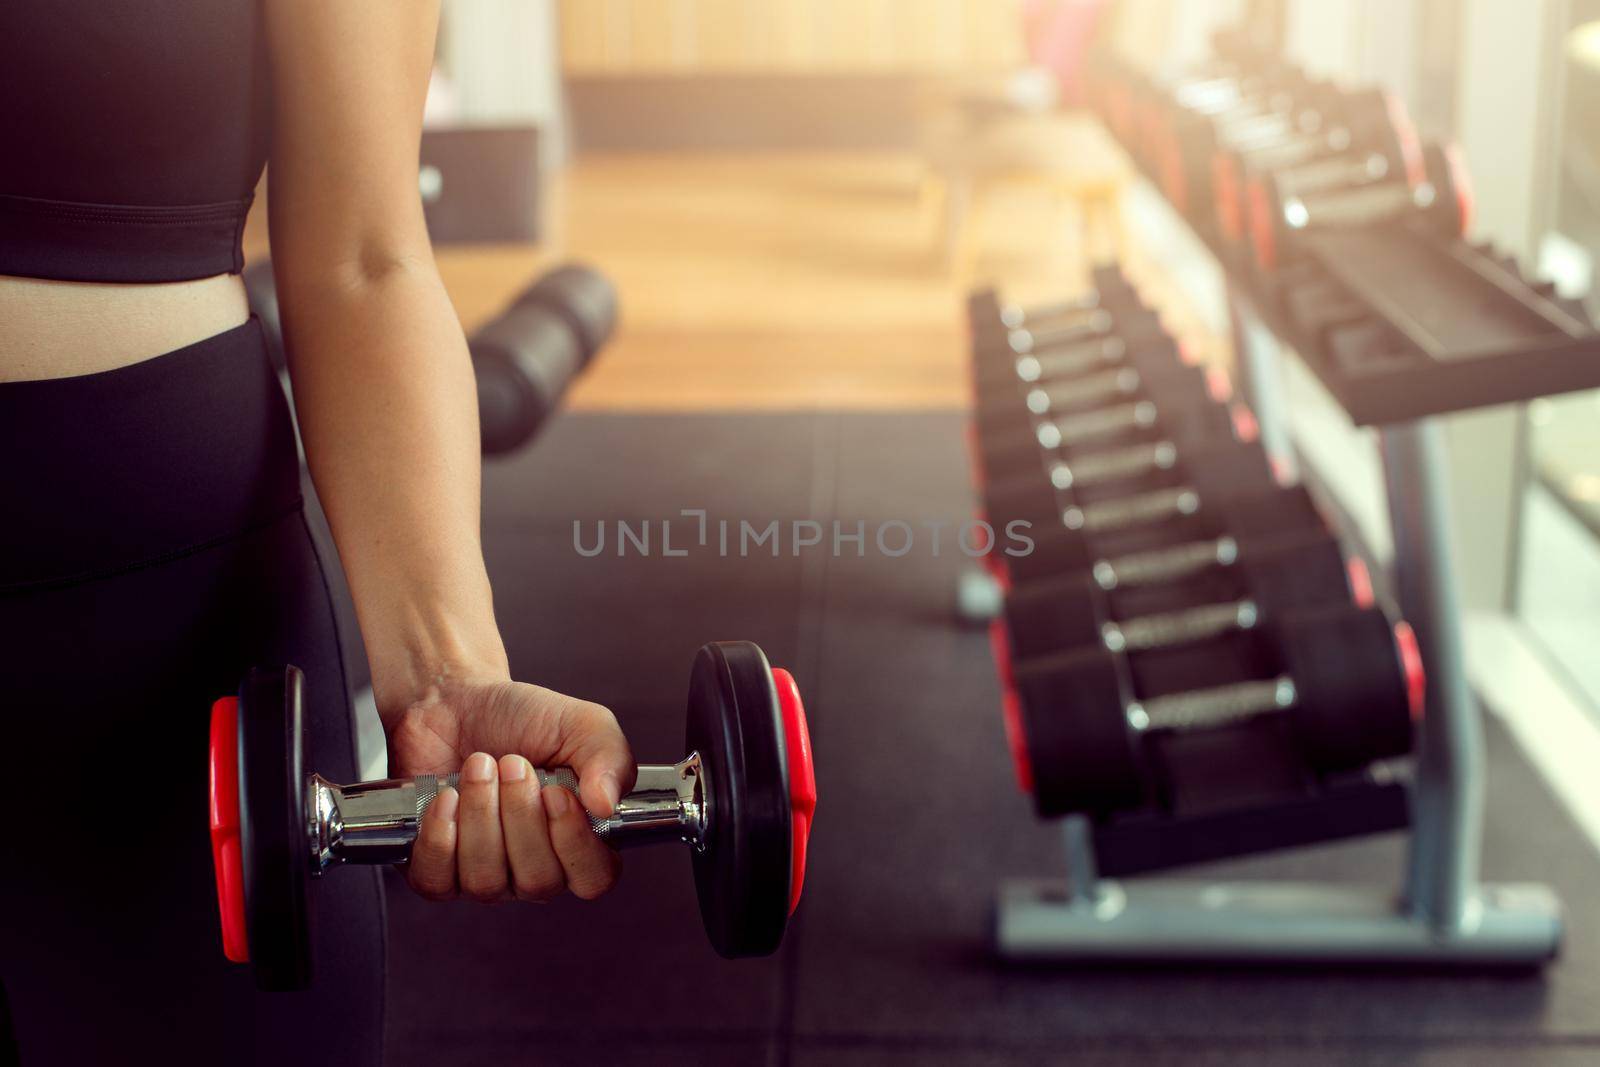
<point>584,298</point>
<point>523,361</point>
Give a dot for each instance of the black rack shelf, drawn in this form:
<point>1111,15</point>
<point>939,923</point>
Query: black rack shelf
<point>1449,325</point>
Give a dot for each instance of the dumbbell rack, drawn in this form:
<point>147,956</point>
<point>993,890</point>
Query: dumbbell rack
<point>1471,333</point>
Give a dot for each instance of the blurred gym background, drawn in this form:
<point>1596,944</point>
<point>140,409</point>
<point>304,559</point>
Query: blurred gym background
<point>794,197</point>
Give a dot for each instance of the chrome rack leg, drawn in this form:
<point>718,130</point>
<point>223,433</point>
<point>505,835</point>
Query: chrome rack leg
<point>1083,875</point>
<point>1448,792</point>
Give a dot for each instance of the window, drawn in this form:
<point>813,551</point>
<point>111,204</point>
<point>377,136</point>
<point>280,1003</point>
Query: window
<point>1557,584</point>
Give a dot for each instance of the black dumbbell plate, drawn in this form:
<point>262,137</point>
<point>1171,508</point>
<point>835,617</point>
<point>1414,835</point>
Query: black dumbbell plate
<point>272,833</point>
<point>743,875</point>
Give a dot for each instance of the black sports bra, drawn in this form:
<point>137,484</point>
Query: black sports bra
<point>132,135</point>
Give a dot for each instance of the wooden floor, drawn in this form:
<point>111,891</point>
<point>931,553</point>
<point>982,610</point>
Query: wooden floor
<point>778,281</point>
<point>768,281</point>
<point>801,282</point>
<point>775,282</point>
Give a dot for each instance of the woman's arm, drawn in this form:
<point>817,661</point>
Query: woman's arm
<point>388,411</point>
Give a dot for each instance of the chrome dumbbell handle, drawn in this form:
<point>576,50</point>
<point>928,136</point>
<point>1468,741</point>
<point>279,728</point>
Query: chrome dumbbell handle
<point>1069,360</point>
<point>1222,705</point>
<point>1099,388</point>
<point>1164,564</point>
<point>1024,341</point>
<point>1077,429</point>
<point>1136,510</point>
<point>1110,464</point>
<point>1183,627</point>
<point>1014,316</point>
<point>377,822</point>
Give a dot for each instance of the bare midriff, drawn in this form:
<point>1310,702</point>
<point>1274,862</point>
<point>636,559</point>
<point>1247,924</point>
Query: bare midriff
<point>51,329</point>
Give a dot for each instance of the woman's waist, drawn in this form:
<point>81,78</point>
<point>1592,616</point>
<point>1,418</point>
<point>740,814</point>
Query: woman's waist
<point>113,469</point>
<point>55,329</point>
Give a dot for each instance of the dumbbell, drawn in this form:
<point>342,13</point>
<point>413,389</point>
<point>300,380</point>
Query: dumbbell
<point>1095,479</point>
<point>1191,137</point>
<point>1064,331</point>
<point>1139,602</point>
<point>1135,337</point>
<point>1222,89</point>
<point>1110,291</point>
<point>742,800</point>
<point>1368,127</point>
<point>1018,444</point>
<point>1139,340</point>
<point>1011,395</point>
<point>1277,217</point>
<point>1162,382</point>
<point>525,358</point>
<point>1345,683</point>
<point>1112,407</point>
<point>1081,534</point>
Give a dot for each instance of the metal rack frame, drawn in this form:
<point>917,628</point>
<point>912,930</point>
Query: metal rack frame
<point>1441,914</point>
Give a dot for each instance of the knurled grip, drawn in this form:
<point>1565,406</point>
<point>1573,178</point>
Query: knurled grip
<point>1076,429</point>
<point>1165,564</point>
<point>1211,708</point>
<point>1122,512</point>
<point>1118,381</point>
<point>1111,464</point>
<point>428,786</point>
<point>1182,627</point>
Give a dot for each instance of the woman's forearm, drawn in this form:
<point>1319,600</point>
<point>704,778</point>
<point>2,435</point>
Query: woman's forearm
<point>388,411</point>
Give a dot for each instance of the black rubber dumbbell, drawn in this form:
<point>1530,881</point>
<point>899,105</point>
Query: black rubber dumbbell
<point>1091,479</point>
<point>1143,343</point>
<point>1007,449</point>
<point>1278,217</point>
<point>1365,127</point>
<point>1000,351</point>
<point>1076,415</point>
<point>1111,292</point>
<point>1121,605</point>
<point>742,800</point>
<point>1171,515</point>
<point>1345,682</point>
<point>1144,346</point>
<point>1192,135</point>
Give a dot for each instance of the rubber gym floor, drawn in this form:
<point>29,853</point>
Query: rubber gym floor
<point>888,959</point>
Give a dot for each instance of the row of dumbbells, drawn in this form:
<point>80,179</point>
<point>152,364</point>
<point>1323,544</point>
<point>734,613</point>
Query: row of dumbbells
<point>1256,153</point>
<point>1177,594</point>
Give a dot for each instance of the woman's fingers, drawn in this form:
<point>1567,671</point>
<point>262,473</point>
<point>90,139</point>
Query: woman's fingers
<point>536,872</point>
<point>591,868</point>
<point>481,855</point>
<point>600,755</point>
<point>499,835</point>
<point>432,870</point>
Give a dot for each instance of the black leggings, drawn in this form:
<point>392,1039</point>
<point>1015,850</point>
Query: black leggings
<point>153,547</point>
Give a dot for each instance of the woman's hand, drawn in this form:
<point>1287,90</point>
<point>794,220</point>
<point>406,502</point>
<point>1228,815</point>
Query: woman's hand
<point>501,837</point>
